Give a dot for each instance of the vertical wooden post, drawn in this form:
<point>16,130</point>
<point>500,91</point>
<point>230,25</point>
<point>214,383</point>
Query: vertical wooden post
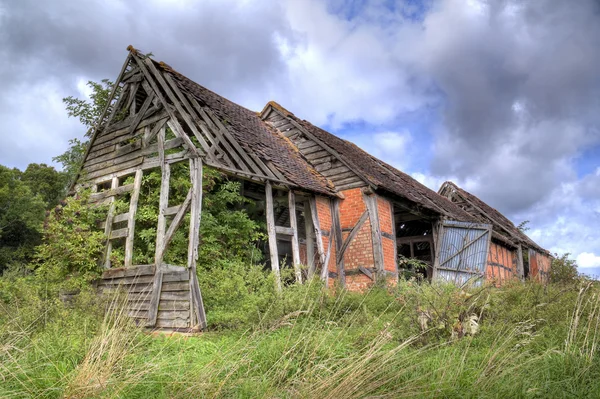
<point>438,231</point>
<point>109,222</point>
<point>395,243</point>
<point>371,202</point>
<point>520,268</point>
<point>295,246</point>
<point>336,231</point>
<point>163,203</point>
<point>135,195</point>
<point>310,240</point>
<point>197,305</point>
<point>314,214</point>
<point>272,235</point>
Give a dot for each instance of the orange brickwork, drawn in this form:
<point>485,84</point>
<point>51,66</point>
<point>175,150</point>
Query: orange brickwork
<point>539,266</point>
<point>360,251</point>
<point>501,265</point>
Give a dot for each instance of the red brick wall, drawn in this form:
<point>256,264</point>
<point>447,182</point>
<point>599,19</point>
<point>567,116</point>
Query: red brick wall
<point>360,250</point>
<point>502,264</point>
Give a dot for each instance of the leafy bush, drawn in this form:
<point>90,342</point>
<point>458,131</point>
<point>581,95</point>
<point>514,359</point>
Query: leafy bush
<point>563,270</point>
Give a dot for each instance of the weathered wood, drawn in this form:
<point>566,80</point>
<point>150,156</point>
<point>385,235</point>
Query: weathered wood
<point>337,233</point>
<point>140,270</point>
<point>372,208</point>
<point>116,168</point>
<point>187,116</point>
<point>135,195</point>
<point>111,193</point>
<point>163,201</point>
<point>109,223</point>
<point>145,279</point>
<point>348,186</point>
<point>176,286</point>
<point>353,233</point>
<point>176,220</point>
<point>316,155</point>
<point>366,272</point>
<point>159,125</point>
<point>520,268</point>
<point>197,313</point>
<point>335,171</point>
<point>177,129</point>
<point>155,298</point>
<point>286,231</point>
<point>119,233</point>
<point>272,235</point>
<point>312,201</point>
<point>309,232</point>
<point>294,227</point>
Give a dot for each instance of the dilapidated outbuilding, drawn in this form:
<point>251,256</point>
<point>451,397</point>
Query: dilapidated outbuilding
<point>332,210</point>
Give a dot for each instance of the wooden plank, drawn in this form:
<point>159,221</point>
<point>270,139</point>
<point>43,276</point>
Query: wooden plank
<point>316,155</point>
<point>337,233</point>
<point>174,315</point>
<point>320,167</point>
<point>163,201</point>
<point>141,270</point>
<point>294,227</point>
<point>133,204</point>
<point>172,210</point>
<point>197,313</point>
<point>312,201</point>
<point>371,203</point>
<point>311,150</point>
<point>176,286</point>
<point>173,305</point>
<point>112,192</point>
<point>335,171</point>
<point>178,323</point>
<point>520,268</point>
<point>155,298</point>
<point>146,279</point>
<point>394,238</point>
<point>366,272</point>
<point>119,233</point>
<point>306,144</point>
<point>286,231</point>
<point>309,232</point>
<point>155,129</point>
<point>174,296</point>
<point>102,151</point>
<point>116,168</point>
<point>108,225</point>
<point>352,234</point>
<point>272,235</point>
<point>355,184</point>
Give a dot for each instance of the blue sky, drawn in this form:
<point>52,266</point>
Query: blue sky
<point>501,97</point>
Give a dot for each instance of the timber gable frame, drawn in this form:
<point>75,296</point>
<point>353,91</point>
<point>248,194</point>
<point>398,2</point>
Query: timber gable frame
<point>348,213</point>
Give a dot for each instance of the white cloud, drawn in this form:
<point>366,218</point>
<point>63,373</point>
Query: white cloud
<point>588,259</point>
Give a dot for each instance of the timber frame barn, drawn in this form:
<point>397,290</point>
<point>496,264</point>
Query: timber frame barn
<point>332,210</point>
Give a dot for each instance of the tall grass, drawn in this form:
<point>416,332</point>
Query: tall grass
<point>531,341</point>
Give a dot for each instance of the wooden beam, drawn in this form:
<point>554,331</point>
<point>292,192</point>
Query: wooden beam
<point>337,233</point>
<point>183,208</point>
<point>198,314</point>
<point>163,200</point>
<point>133,204</point>
<point>109,223</point>
<point>309,232</point>
<point>295,246</point>
<point>155,297</point>
<point>272,235</point>
<point>371,203</point>
<point>520,268</point>
<point>286,231</point>
<point>394,235</point>
<point>314,215</point>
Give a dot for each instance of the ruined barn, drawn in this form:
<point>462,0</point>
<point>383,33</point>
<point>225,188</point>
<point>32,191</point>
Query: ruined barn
<point>512,253</point>
<point>332,210</point>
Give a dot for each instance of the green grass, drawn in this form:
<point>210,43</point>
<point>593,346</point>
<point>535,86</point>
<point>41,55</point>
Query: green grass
<point>415,340</point>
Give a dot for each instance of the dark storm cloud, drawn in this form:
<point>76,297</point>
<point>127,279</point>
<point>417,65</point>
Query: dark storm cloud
<point>222,44</point>
<point>522,89</point>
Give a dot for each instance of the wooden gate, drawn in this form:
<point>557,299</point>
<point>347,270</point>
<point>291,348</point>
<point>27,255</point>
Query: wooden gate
<point>461,253</point>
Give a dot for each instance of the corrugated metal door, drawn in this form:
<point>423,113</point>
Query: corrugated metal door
<point>462,252</point>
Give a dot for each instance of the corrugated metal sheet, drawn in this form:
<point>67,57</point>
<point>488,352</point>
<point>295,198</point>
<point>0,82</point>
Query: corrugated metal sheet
<point>463,252</point>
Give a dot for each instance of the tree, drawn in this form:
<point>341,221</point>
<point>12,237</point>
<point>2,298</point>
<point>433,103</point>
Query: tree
<point>47,182</point>
<point>21,218</point>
